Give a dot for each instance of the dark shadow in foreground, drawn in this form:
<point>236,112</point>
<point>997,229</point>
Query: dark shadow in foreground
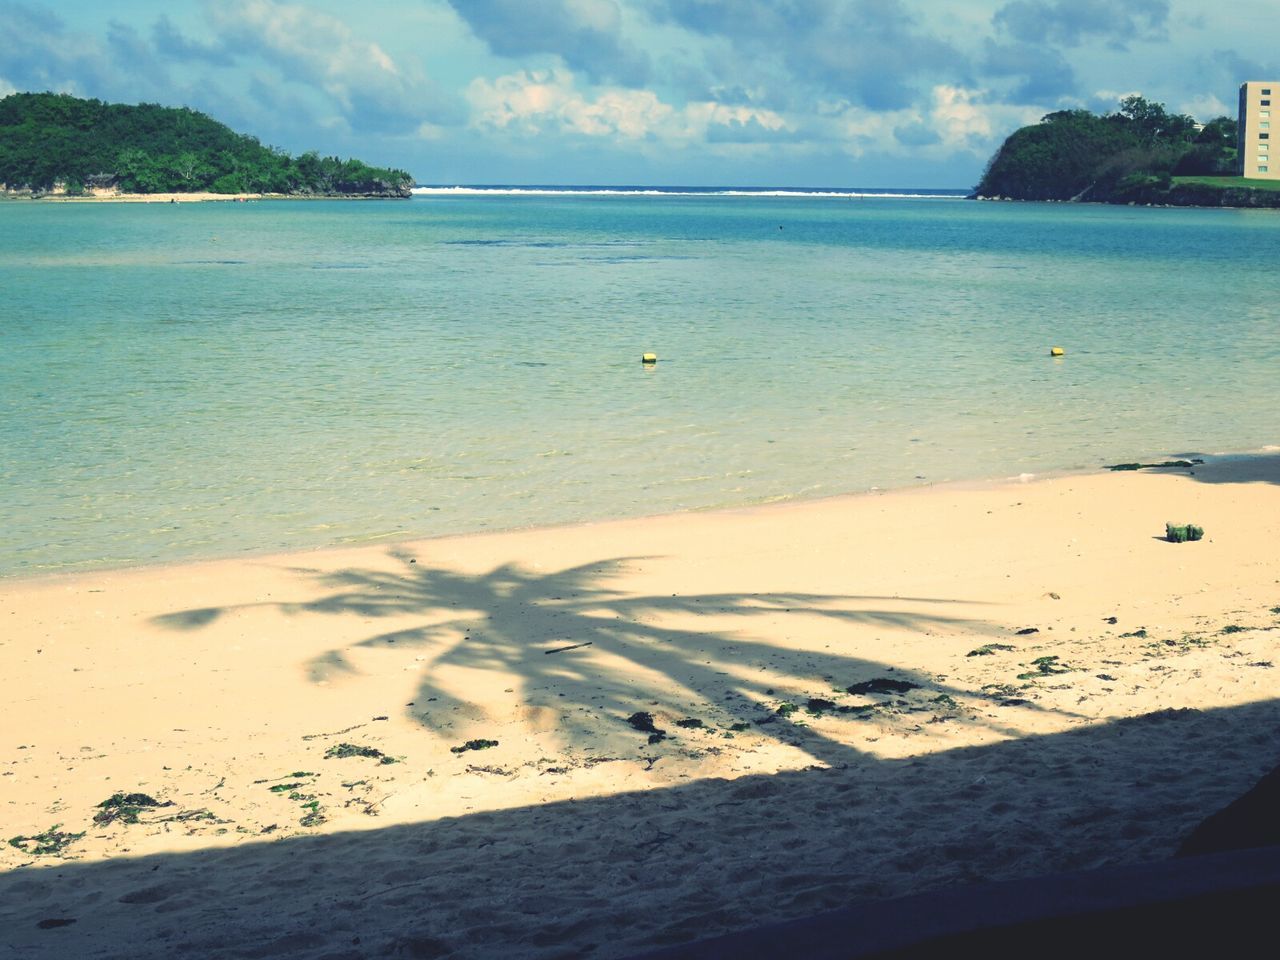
<point>715,855</point>
<point>1205,906</point>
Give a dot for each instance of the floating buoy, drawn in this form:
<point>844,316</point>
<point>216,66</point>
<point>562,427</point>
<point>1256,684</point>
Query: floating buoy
<point>649,358</point>
<point>1057,352</point>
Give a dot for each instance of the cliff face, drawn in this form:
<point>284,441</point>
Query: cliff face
<point>1162,192</point>
<point>399,189</point>
<point>1207,195</point>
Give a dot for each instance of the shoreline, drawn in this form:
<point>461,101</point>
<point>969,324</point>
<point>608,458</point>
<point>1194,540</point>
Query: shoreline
<point>570,733</point>
<point>396,541</point>
<point>193,197</point>
<point>1190,204</point>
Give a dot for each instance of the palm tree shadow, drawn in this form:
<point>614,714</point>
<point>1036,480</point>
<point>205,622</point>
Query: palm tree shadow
<point>579,646</point>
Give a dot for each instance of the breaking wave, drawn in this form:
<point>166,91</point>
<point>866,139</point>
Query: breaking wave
<point>855,193</point>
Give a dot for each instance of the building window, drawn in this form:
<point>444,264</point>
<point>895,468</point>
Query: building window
<point>1264,136</point>
<point>1266,103</point>
<point>1266,91</point>
<point>1264,114</point>
<point>1265,124</point>
<point>1264,169</point>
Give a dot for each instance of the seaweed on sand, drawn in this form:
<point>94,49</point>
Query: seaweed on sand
<point>52,841</point>
<point>987,649</point>
<point>474,745</point>
<point>1144,466</point>
<point>1045,667</point>
<point>642,721</point>
<point>340,751</point>
<point>817,705</point>
<point>125,807</point>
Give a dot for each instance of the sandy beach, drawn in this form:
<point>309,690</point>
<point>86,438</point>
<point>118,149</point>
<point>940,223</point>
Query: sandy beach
<point>103,195</point>
<point>600,739</point>
<point>195,196</point>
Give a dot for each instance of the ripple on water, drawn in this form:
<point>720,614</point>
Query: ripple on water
<point>207,384</point>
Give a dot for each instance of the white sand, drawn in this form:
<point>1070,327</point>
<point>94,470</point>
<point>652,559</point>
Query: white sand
<point>206,685</point>
<point>102,194</point>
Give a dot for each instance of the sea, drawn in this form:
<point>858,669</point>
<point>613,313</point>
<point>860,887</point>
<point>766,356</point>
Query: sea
<point>220,379</point>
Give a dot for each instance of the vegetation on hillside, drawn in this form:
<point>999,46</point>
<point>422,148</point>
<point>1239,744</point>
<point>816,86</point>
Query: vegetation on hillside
<point>49,139</point>
<point>1139,154</point>
<point>1244,183</point>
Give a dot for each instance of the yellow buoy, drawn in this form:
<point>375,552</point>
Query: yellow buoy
<point>649,358</point>
<point>1057,352</point>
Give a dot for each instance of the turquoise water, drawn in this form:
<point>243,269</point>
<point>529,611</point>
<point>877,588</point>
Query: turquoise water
<point>207,379</point>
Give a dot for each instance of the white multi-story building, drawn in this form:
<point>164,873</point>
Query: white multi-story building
<point>1255,151</point>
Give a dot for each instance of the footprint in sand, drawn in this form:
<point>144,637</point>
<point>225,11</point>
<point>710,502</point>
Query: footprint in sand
<point>147,895</point>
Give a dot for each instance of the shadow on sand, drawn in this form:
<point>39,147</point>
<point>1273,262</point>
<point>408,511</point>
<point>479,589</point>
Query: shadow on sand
<point>615,875</point>
<point>1243,468</point>
<point>534,626</point>
<point>627,873</point>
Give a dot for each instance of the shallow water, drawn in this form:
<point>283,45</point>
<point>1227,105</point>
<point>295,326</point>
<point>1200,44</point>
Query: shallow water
<point>199,380</point>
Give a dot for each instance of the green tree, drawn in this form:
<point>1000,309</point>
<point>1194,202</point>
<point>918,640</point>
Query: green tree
<point>191,170</point>
<point>1131,154</point>
<point>1145,119</point>
<point>1220,132</point>
<point>48,138</point>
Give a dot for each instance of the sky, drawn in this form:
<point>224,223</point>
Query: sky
<point>893,93</point>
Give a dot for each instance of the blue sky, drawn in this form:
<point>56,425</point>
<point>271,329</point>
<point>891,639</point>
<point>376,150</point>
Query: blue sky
<point>725,92</point>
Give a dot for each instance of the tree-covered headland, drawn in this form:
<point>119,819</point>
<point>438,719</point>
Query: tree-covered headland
<point>50,140</point>
<point>1139,154</point>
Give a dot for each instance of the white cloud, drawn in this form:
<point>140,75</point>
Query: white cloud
<point>1113,97</point>
<point>548,101</point>
<point>587,35</point>
<point>430,131</point>
<point>1206,107</point>
<point>539,101</point>
<point>318,46</point>
<point>700,116</point>
<point>367,85</point>
<point>599,15</point>
<point>960,120</point>
<point>974,120</point>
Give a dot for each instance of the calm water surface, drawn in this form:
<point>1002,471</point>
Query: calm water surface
<point>206,379</point>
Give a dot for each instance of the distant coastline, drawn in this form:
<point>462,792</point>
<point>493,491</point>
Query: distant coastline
<point>1193,192</point>
<point>641,190</point>
<point>199,196</point>
<point>59,193</point>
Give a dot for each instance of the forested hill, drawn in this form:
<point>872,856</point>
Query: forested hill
<point>49,139</point>
<point>1139,154</point>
